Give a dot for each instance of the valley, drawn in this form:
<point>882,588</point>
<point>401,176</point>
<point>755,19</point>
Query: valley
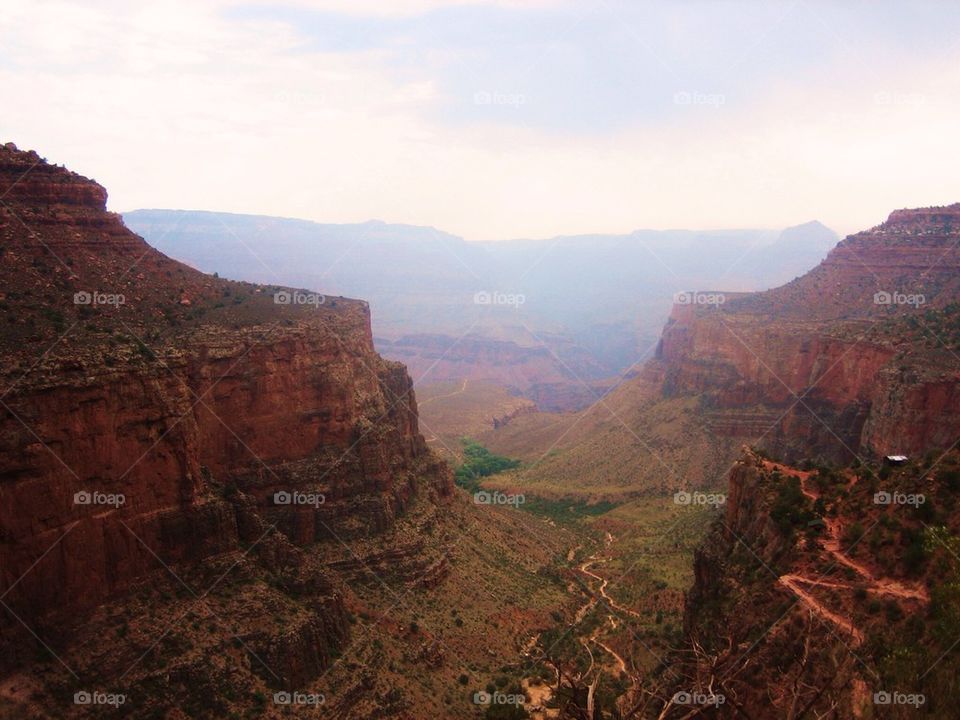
<point>218,503</point>
<point>479,360</point>
<point>503,312</point>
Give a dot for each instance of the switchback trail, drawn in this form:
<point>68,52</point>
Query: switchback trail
<point>800,584</point>
<point>611,618</point>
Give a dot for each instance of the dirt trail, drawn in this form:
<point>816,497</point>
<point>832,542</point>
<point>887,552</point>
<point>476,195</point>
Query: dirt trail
<point>618,664</point>
<point>585,569</point>
<point>846,625</point>
<point>619,661</point>
<point>832,544</point>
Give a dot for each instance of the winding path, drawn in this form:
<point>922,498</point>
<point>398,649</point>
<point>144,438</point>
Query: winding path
<point>584,568</point>
<point>831,543</point>
<point>621,664</point>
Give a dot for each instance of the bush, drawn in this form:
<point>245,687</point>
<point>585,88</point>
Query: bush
<point>951,478</point>
<point>853,534</point>
<point>478,462</point>
<point>790,508</point>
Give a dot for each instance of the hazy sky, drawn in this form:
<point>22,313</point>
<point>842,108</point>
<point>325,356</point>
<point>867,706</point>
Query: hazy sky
<point>495,119</point>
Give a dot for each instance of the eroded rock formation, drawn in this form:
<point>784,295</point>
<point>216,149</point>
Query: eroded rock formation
<point>851,358</point>
<point>151,413</point>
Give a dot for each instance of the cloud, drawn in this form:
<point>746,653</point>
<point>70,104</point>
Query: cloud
<point>198,105</point>
<point>413,7</point>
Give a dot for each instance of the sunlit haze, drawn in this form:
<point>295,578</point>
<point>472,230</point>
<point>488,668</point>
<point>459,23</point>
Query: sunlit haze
<point>495,120</point>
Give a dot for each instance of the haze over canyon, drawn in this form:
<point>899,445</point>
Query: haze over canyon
<point>681,442</point>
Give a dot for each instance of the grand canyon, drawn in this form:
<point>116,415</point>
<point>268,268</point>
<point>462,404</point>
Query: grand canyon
<point>263,459</point>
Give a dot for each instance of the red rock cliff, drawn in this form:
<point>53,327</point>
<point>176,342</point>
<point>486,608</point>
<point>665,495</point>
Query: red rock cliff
<point>179,386</point>
<point>850,358</point>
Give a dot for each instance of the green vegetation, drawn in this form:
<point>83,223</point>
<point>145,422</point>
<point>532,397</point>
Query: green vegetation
<point>478,462</point>
<point>938,327</point>
<point>791,508</point>
<point>566,511</point>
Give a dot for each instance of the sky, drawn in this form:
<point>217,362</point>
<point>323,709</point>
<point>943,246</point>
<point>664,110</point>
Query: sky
<point>496,119</point>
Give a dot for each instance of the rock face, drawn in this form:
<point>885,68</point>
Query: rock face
<point>831,364</point>
<point>789,581</point>
<point>138,430</point>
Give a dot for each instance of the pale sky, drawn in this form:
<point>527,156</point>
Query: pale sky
<point>496,119</point>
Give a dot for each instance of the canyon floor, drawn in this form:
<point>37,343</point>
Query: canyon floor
<point>633,559</point>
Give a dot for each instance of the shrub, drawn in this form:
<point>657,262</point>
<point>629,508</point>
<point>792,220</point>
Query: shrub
<point>893,611</point>
<point>478,462</point>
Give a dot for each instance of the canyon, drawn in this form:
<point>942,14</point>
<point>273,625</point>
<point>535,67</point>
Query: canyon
<point>809,596</point>
<point>821,368</point>
<point>210,494</point>
<point>214,491</point>
<point>832,359</point>
<point>134,402</point>
<point>505,312</point>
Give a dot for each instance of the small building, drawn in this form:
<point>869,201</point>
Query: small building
<point>895,460</point>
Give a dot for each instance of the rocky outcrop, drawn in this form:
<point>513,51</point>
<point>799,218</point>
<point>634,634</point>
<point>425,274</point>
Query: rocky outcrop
<point>784,611</point>
<point>523,409</point>
<point>154,416</point>
<point>813,358</point>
